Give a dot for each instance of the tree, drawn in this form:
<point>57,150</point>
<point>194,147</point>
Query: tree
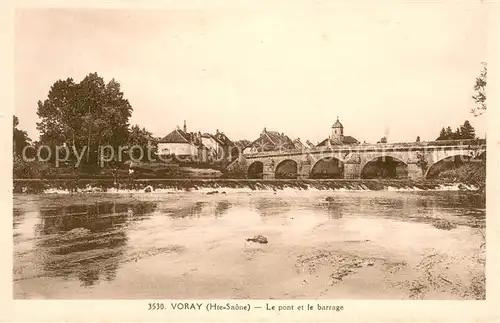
<point>382,140</point>
<point>442,134</point>
<point>142,138</point>
<point>418,139</point>
<point>467,131</point>
<point>20,138</point>
<point>480,89</point>
<point>422,162</point>
<point>84,115</point>
<point>448,133</point>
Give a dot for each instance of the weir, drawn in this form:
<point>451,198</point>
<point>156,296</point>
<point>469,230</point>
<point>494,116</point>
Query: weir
<point>221,186</point>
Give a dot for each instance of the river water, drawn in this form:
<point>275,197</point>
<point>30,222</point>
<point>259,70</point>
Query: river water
<point>321,244</point>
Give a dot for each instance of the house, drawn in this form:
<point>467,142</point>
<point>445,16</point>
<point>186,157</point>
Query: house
<point>269,141</point>
<point>337,137</point>
<point>219,145</point>
<point>310,144</point>
<point>214,146</point>
<point>298,144</point>
<point>242,144</point>
<point>183,144</point>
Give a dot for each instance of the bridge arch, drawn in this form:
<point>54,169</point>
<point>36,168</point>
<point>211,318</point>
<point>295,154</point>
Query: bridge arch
<point>446,164</point>
<point>328,168</point>
<point>286,169</point>
<point>256,170</point>
<point>384,166</point>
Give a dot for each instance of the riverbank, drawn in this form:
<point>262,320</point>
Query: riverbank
<point>37,186</point>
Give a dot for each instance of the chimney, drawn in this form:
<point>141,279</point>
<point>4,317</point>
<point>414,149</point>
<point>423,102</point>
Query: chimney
<point>185,127</point>
<point>217,131</point>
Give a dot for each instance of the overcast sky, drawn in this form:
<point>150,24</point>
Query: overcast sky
<point>407,70</point>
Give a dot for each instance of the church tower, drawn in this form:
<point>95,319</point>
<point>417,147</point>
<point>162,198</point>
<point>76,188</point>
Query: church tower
<point>337,132</point>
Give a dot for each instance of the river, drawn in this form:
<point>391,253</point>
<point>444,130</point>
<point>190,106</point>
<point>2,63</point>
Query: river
<point>180,245</point>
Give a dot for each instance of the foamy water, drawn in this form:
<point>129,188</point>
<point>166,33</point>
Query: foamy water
<point>262,187</point>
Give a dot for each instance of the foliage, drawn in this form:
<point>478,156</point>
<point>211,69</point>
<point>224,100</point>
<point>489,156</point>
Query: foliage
<point>382,140</point>
<point>422,162</point>
<point>418,139</point>
<point>480,89</point>
<point>86,114</point>
<point>474,172</point>
<point>465,131</point>
<point>442,134</point>
<point>24,169</point>
<point>142,138</point>
<point>20,138</point>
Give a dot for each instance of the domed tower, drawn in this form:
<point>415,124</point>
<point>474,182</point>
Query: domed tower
<point>337,131</point>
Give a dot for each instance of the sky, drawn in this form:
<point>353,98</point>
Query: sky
<point>401,70</point>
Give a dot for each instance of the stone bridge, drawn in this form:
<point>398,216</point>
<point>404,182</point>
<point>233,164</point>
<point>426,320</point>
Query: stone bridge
<point>416,160</point>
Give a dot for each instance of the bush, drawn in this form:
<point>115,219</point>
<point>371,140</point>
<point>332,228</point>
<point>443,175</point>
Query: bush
<point>24,169</point>
<point>474,172</point>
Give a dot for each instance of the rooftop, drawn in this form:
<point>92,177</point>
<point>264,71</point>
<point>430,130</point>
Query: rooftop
<point>337,124</point>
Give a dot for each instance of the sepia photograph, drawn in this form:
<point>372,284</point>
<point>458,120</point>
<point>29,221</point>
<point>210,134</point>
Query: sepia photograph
<point>326,152</point>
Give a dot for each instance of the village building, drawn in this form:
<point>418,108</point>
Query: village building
<point>270,141</point>
<point>183,144</point>
<point>218,145</point>
<point>195,145</point>
<point>214,146</point>
<point>298,144</point>
<point>337,137</point>
<point>310,144</point>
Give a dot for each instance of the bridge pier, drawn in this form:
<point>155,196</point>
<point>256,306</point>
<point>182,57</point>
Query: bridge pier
<point>352,171</point>
<point>268,171</point>
<point>303,171</point>
<point>415,171</point>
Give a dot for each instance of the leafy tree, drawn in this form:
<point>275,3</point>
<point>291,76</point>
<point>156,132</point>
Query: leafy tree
<point>382,140</point>
<point>448,133</point>
<point>467,131</point>
<point>422,162</point>
<point>480,88</point>
<point>418,139</point>
<point>20,138</point>
<point>142,138</point>
<point>442,134</point>
<point>84,115</point>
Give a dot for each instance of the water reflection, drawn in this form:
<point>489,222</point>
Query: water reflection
<point>87,241</point>
<point>449,200</point>
<point>332,209</point>
<point>221,208</point>
<point>191,210</point>
<point>272,206</point>
<point>18,217</point>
